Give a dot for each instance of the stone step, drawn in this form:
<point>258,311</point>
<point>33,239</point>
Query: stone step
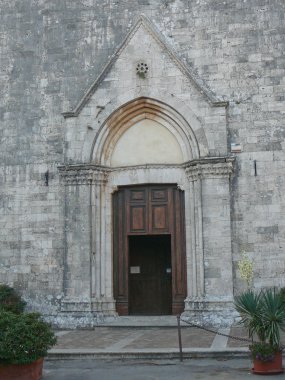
<point>150,354</point>
<point>141,321</point>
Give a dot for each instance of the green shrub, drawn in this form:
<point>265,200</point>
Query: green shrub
<point>263,314</point>
<point>10,300</point>
<point>24,338</point>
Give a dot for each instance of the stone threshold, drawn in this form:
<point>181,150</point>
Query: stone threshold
<point>141,321</point>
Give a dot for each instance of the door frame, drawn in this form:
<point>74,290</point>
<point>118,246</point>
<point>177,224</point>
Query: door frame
<point>206,186</point>
<point>123,228</point>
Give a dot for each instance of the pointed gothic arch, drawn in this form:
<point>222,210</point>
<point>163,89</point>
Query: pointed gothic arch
<point>134,111</point>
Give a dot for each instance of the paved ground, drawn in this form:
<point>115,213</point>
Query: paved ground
<point>149,353</point>
<point>133,338</point>
<point>152,342</point>
<point>194,369</point>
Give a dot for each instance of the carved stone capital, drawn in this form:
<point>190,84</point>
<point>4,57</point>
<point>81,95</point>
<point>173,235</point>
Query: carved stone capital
<point>181,187</point>
<point>83,174</point>
<point>209,168</point>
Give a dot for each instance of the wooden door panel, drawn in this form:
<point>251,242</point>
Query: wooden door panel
<point>138,195</point>
<point>137,210</point>
<point>120,260</point>
<point>159,218</point>
<point>179,254</point>
<point>159,195</point>
<point>138,219</point>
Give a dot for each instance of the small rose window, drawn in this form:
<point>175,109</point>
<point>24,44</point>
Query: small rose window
<point>142,69</point>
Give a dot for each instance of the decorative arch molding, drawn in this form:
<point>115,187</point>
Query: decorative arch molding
<point>132,112</point>
<point>173,106</point>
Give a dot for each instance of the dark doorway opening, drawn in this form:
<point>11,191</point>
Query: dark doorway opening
<point>150,275</point>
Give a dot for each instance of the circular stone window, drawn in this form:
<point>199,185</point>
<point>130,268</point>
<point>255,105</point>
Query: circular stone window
<point>142,69</point>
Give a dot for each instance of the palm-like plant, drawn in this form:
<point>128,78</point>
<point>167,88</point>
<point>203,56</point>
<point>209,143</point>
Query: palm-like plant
<point>263,314</point>
<point>273,316</point>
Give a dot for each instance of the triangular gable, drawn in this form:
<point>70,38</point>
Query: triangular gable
<point>148,25</point>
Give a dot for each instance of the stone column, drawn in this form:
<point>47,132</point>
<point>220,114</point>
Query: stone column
<point>209,236</point>
<point>85,223</point>
<point>77,259</point>
<point>96,224</point>
<point>195,237</point>
<point>101,301</point>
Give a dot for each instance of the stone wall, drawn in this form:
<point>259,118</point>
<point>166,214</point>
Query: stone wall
<point>52,51</point>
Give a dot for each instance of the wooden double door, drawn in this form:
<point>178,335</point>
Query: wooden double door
<point>149,250</point>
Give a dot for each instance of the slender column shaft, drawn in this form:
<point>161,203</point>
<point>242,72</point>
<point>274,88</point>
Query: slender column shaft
<point>102,241</point>
<point>199,237</point>
<point>189,239</point>
<point>96,240</point>
<point>193,290</point>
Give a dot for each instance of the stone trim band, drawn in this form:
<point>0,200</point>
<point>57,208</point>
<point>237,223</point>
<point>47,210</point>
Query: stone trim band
<point>87,174</point>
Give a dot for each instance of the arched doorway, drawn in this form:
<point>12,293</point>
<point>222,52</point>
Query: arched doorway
<point>149,250</point>
<point>99,185</point>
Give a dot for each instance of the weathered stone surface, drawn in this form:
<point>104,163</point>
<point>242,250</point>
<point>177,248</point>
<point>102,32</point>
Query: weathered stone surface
<point>52,52</point>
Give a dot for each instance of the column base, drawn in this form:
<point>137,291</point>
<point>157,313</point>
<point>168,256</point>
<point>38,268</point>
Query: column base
<point>76,313</point>
<point>207,312</point>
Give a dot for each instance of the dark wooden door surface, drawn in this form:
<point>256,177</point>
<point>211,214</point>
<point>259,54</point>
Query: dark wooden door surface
<point>148,210</point>
<point>150,275</point>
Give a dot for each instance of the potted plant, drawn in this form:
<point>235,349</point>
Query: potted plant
<point>24,338</point>
<point>263,314</point>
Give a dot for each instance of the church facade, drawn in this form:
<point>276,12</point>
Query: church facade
<point>143,154</point>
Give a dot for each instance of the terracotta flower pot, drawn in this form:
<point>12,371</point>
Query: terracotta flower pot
<point>268,368</point>
<point>32,371</point>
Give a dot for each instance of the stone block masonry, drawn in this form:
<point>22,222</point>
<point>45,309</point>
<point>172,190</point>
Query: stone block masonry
<point>52,52</point>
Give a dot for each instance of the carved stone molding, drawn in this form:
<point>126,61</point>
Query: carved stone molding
<point>83,174</point>
<point>209,168</point>
<point>86,174</point>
